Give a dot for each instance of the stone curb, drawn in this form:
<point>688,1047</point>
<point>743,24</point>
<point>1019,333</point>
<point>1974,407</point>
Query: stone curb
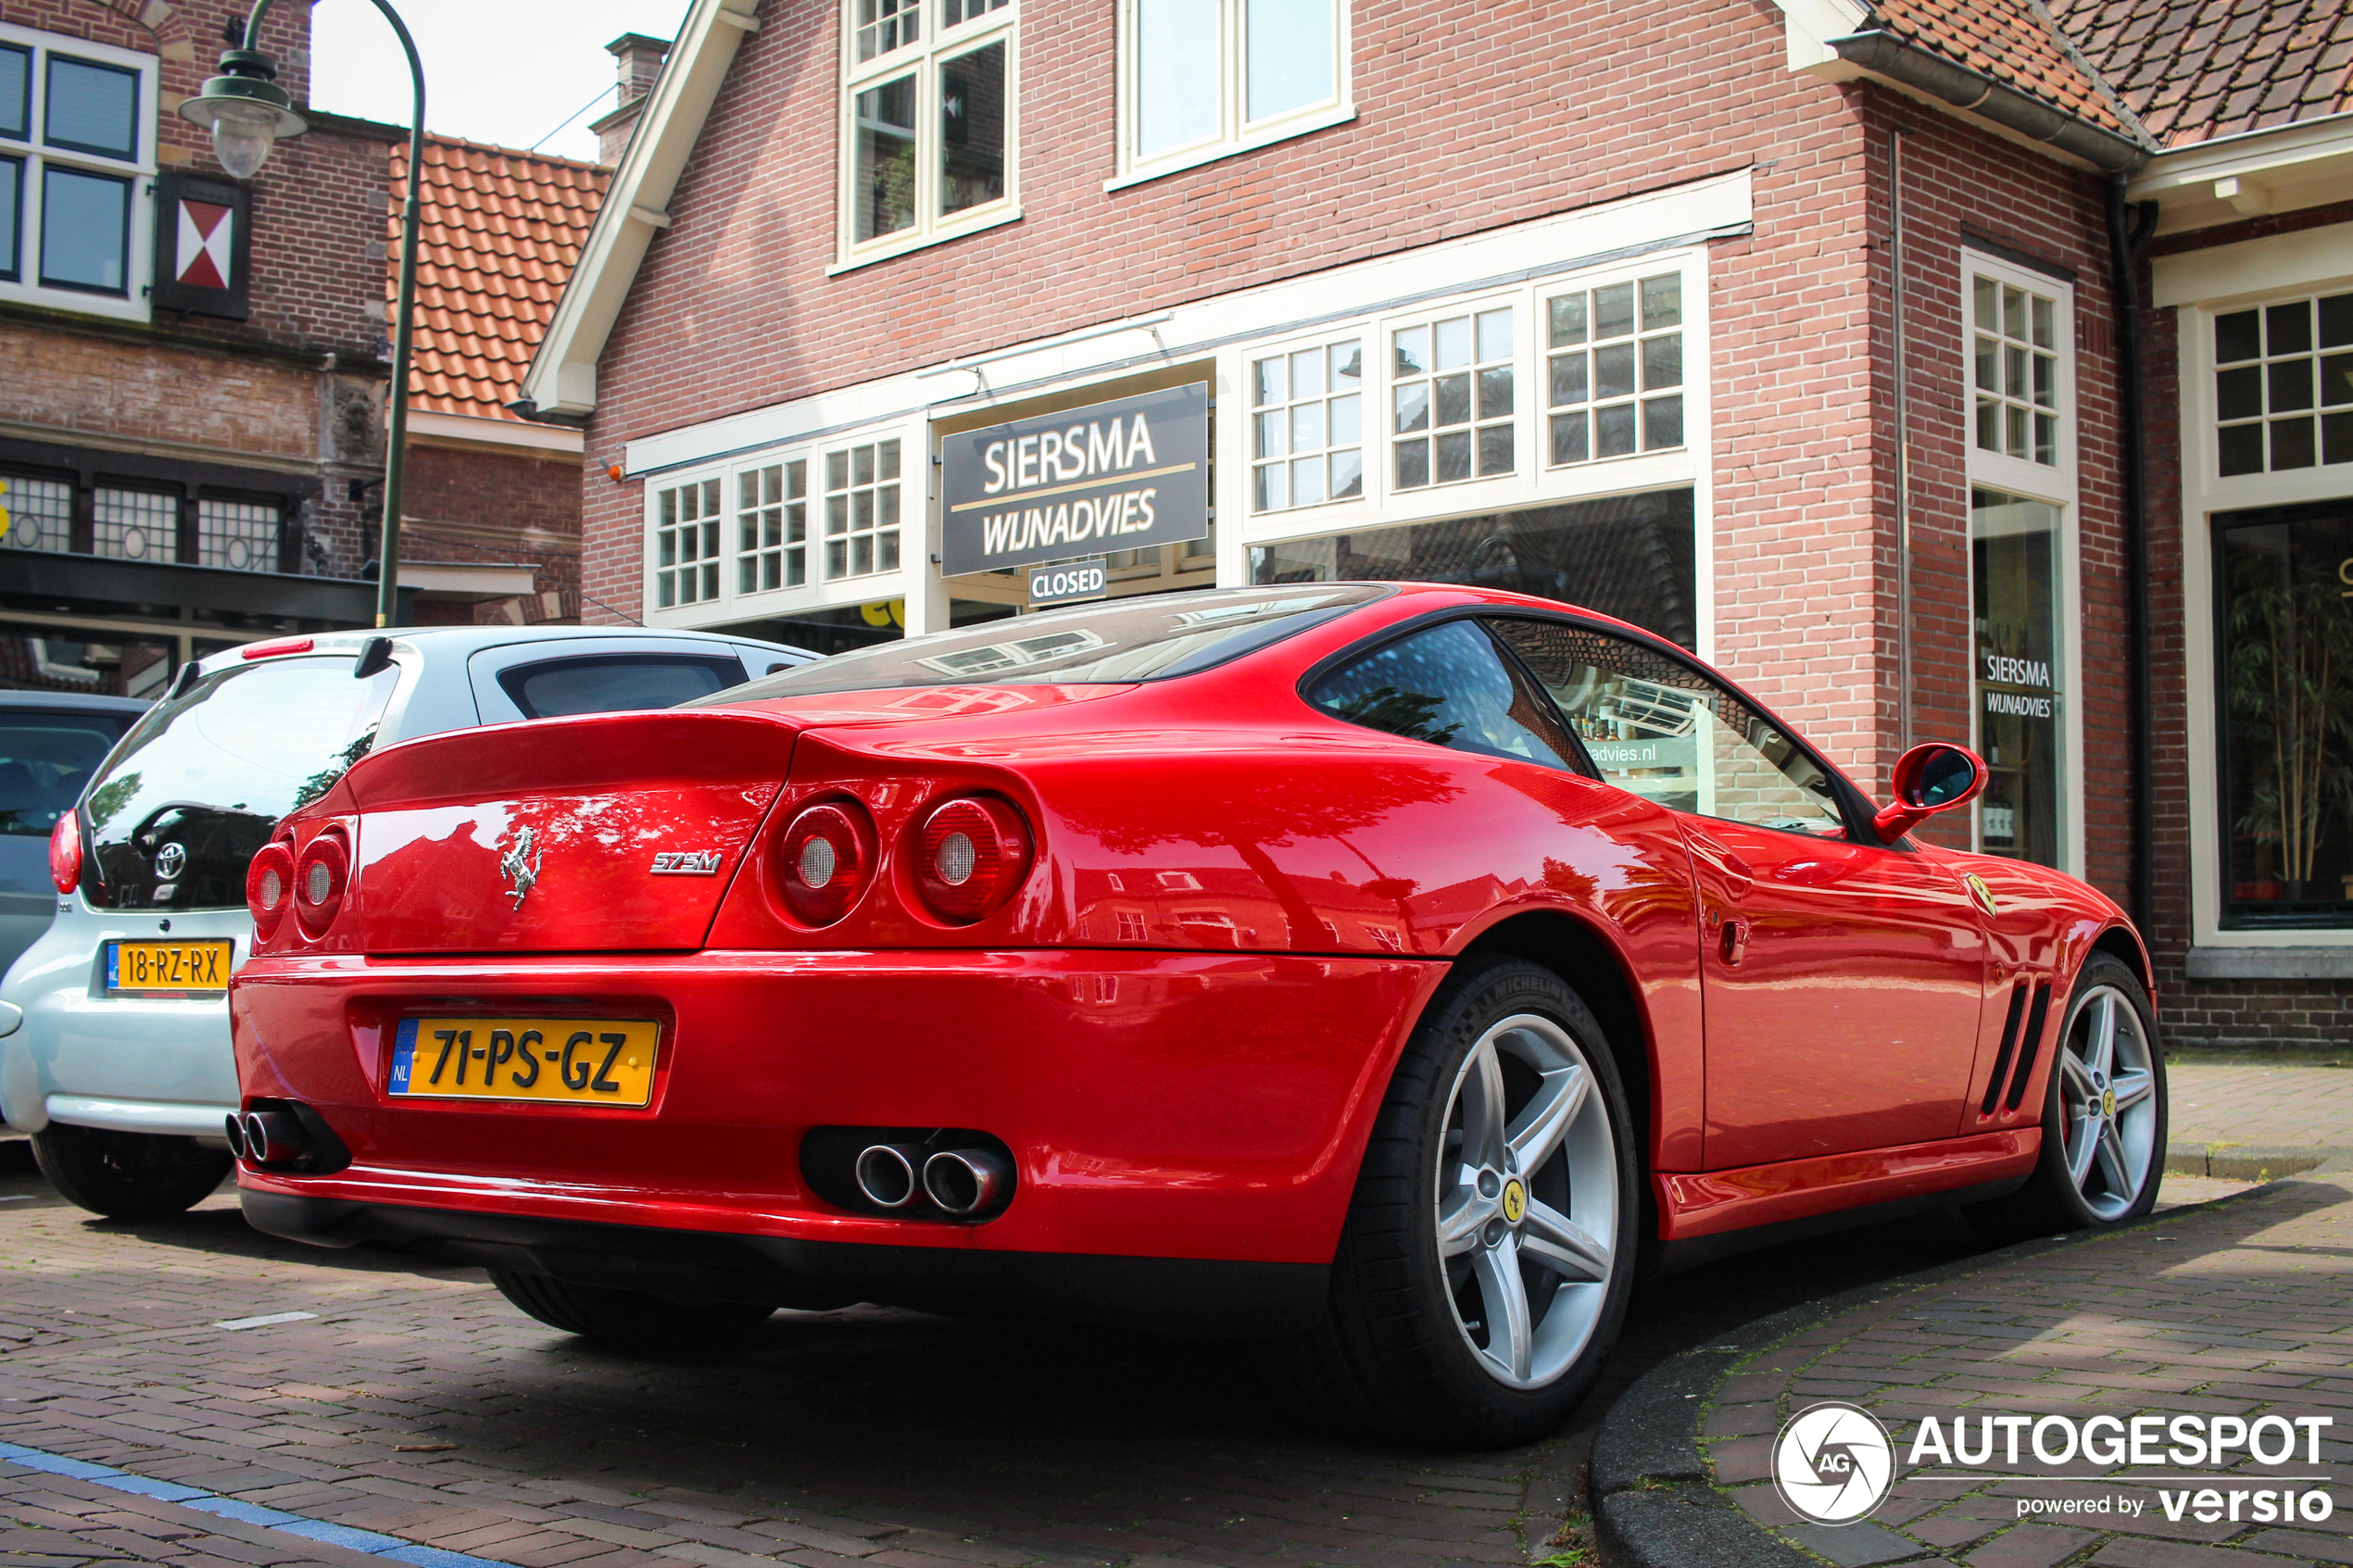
<point>2255,1162</point>
<point>1654,1501</point>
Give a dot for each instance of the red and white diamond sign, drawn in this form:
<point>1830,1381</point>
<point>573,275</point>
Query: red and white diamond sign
<point>206,231</point>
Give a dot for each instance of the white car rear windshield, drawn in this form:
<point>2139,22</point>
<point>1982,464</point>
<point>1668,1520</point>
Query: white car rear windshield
<point>1148,637</point>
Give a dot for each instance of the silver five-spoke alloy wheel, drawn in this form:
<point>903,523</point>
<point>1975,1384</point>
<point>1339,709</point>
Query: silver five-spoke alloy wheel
<point>1527,1201</point>
<point>2108,1101</point>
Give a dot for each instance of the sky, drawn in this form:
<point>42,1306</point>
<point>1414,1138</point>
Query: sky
<point>503,71</point>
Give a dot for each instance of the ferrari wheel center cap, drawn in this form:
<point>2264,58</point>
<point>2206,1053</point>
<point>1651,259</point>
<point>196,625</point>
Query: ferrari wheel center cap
<point>1515,1204</point>
<point>2107,1102</point>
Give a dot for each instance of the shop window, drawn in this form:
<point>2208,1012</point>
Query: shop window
<point>241,535</point>
<point>861,510</point>
<point>2015,550</point>
<point>75,145</point>
<point>1614,369</point>
<point>928,141</point>
<point>2283,385</point>
<point>2015,338</point>
<point>1204,78</point>
<point>135,525</point>
<point>1631,556</point>
<point>771,523</point>
<point>35,514</point>
<point>1451,398</point>
<point>1306,432</point>
<point>687,545</point>
<point>2284,639</point>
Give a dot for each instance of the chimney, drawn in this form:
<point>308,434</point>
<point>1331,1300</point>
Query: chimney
<point>638,59</point>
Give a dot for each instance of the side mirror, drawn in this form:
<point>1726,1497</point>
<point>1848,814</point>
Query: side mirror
<point>1930,779</point>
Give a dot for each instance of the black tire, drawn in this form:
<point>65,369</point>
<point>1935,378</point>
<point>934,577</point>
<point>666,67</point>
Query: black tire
<point>2051,1202</point>
<point>128,1175</point>
<point>635,1320</point>
<point>1392,1355</point>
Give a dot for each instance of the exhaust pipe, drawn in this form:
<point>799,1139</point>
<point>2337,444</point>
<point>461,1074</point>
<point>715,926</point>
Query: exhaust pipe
<point>274,1137</point>
<point>886,1173</point>
<point>967,1182</point>
<point>234,1126</point>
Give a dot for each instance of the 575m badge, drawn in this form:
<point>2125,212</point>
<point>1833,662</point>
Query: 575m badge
<point>686,862</point>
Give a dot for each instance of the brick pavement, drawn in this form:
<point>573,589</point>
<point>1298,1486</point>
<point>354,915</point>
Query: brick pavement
<point>2240,1308</point>
<point>865,1437</point>
<point>2243,1103</point>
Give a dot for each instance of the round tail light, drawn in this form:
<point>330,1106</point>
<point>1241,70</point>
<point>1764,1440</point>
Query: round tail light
<point>322,871</point>
<point>269,882</point>
<point>65,852</point>
<point>825,862</point>
<point>970,856</point>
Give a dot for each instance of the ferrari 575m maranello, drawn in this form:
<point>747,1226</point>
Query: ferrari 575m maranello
<point>1381,972</point>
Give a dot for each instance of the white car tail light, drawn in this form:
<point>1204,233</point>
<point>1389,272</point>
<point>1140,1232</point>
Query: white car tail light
<point>65,852</point>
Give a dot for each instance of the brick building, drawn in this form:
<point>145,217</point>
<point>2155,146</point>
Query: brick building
<point>192,370</point>
<point>1801,333</point>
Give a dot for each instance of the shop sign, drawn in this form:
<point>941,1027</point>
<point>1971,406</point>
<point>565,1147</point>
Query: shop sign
<point>1128,474</point>
<point>1069,583</point>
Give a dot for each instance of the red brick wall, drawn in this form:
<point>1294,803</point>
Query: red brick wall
<point>472,507</point>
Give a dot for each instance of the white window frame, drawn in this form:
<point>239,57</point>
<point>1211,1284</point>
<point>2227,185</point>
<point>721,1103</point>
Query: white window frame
<point>2056,484</point>
<point>1535,482</point>
<point>2286,270</point>
<point>1235,133</point>
<point>933,48</point>
<point>733,603</point>
<point>139,171</point>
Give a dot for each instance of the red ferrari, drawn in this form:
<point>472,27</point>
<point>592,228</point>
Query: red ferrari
<point>1381,972</point>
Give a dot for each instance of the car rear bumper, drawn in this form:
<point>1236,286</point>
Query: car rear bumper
<point>1158,1106</point>
<point>1174,1295</point>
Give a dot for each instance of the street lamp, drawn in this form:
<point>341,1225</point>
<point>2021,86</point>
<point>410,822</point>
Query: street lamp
<point>246,112</point>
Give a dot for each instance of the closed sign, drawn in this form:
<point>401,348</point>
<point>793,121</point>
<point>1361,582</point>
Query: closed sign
<point>1069,583</point>
<point>1127,474</point>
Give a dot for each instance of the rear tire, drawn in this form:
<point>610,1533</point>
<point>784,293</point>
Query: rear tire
<point>635,1320</point>
<point>128,1175</point>
<point>2103,1116</point>
<point>1488,1256</point>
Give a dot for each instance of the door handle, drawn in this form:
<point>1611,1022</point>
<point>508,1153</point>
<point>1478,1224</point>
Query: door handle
<point>1733,943</point>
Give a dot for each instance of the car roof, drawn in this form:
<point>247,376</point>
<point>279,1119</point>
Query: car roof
<point>446,641</point>
<point>71,702</point>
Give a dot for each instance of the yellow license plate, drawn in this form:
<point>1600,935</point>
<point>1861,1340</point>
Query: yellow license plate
<point>569,1061</point>
<point>168,966</point>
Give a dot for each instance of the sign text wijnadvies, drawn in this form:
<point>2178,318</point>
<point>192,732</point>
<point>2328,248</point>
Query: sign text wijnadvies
<point>1124,475</point>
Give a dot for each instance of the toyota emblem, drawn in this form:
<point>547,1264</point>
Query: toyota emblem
<point>171,860</point>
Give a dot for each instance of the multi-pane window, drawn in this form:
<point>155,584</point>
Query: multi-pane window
<point>242,535</point>
<point>1306,431</point>
<point>73,139</point>
<point>1451,397</point>
<point>135,525</point>
<point>1206,75</point>
<point>929,134</point>
<point>2015,348</point>
<point>1615,368</point>
<point>687,545</point>
<point>861,509</point>
<point>771,523</point>
<point>2283,385</point>
<point>35,514</point>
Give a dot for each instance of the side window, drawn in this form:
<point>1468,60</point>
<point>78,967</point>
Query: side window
<point>1451,686</point>
<point>558,687</point>
<point>1657,727</point>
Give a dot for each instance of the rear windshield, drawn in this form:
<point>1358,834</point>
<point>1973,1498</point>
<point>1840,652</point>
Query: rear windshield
<point>213,770</point>
<point>1151,636</point>
<point>46,755</point>
<point>610,682</point>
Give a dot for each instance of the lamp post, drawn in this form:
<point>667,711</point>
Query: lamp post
<point>246,112</point>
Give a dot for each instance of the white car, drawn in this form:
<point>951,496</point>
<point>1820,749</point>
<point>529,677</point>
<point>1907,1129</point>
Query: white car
<point>114,1025</point>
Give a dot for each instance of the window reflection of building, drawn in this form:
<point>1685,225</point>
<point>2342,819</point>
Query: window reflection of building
<point>2014,544</point>
<point>2283,638</point>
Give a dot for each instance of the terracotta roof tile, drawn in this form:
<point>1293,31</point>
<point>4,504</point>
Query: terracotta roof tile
<point>499,233</point>
<point>2005,40</point>
<point>2199,68</point>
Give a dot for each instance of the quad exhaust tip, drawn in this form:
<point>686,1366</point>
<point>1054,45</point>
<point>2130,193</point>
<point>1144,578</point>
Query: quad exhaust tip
<point>967,1183</point>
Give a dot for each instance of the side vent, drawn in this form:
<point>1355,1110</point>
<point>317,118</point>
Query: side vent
<point>2030,1043</point>
<point>2009,1044</point>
